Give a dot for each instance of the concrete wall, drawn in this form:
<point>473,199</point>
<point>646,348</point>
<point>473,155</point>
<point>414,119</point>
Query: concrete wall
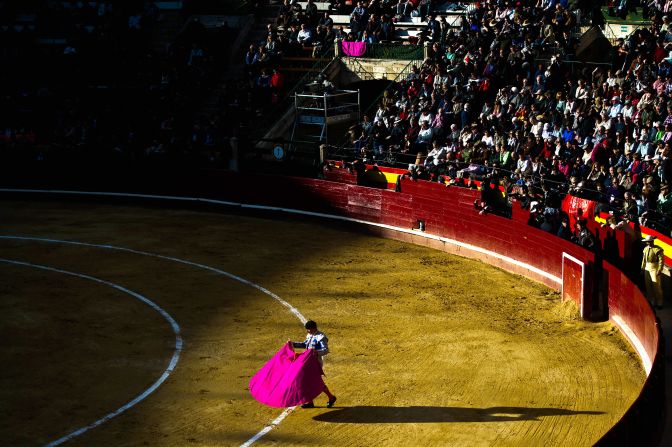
<point>367,69</point>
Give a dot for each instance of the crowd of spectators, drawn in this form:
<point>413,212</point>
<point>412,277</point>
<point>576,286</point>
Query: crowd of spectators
<point>306,31</point>
<point>486,106</point>
<point>300,30</point>
<point>371,21</point>
<point>84,80</point>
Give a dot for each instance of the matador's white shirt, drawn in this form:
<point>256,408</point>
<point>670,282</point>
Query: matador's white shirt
<point>317,341</point>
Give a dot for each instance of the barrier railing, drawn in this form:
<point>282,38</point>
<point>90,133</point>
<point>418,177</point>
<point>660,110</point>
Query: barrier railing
<point>393,51</point>
<point>575,65</point>
<point>283,104</point>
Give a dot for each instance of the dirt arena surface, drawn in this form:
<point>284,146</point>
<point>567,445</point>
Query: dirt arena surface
<point>427,349</point>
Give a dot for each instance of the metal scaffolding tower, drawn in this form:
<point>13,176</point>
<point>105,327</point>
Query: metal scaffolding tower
<point>315,111</point>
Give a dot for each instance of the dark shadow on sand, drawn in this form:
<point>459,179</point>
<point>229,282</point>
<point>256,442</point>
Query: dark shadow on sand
<point>400,415</point>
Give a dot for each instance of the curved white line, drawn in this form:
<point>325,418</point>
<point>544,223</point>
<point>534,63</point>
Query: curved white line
<point>268,428</point>
<point>636,343</point>
<point>171,365</point>
<point>454,242</point>
<point>291,308</point>
<point>247,282</point>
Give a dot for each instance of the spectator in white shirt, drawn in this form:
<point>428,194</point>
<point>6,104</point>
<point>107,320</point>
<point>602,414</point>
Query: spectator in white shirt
<point>488,139</point>
<point>305,36</point>
<point>616,107</point>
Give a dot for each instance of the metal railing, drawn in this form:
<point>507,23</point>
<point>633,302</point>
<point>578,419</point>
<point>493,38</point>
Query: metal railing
<point>359,69</point>
<point>576,66</point>
<point>320,65</point>
<point>318,108</point>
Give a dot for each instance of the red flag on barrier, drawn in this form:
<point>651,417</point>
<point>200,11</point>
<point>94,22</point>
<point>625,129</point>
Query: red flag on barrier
<point>578,207</point>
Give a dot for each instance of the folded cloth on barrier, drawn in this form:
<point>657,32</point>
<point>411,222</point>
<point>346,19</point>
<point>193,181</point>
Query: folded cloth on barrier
<point>354,49</point>
<point>288,379</point>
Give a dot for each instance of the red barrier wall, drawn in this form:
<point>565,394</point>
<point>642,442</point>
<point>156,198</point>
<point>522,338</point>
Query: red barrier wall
<point>627,305</point>
<point>448,212</point>
<point>642,424</point>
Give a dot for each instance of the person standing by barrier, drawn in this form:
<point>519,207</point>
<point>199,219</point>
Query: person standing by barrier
<point>652,266</point>
<point>319,342</point>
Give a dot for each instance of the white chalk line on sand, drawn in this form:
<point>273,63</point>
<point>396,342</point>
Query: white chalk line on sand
<point>171,365</point>
<point>268,428</point>
<point>291,308</point>
<point>455,242</point>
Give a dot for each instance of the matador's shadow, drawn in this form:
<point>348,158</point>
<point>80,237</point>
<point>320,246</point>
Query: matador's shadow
<point>400,415</point>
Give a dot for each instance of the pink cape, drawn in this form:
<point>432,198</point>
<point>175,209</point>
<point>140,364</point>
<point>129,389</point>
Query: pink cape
<point>288,379</point>
<point>354,49</point>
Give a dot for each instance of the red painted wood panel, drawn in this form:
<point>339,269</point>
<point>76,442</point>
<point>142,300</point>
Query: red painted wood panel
<point>635,311</point>
<point>340,175</point>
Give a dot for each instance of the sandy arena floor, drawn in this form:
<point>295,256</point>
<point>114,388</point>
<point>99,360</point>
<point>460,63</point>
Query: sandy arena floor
<point>427,349</point>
